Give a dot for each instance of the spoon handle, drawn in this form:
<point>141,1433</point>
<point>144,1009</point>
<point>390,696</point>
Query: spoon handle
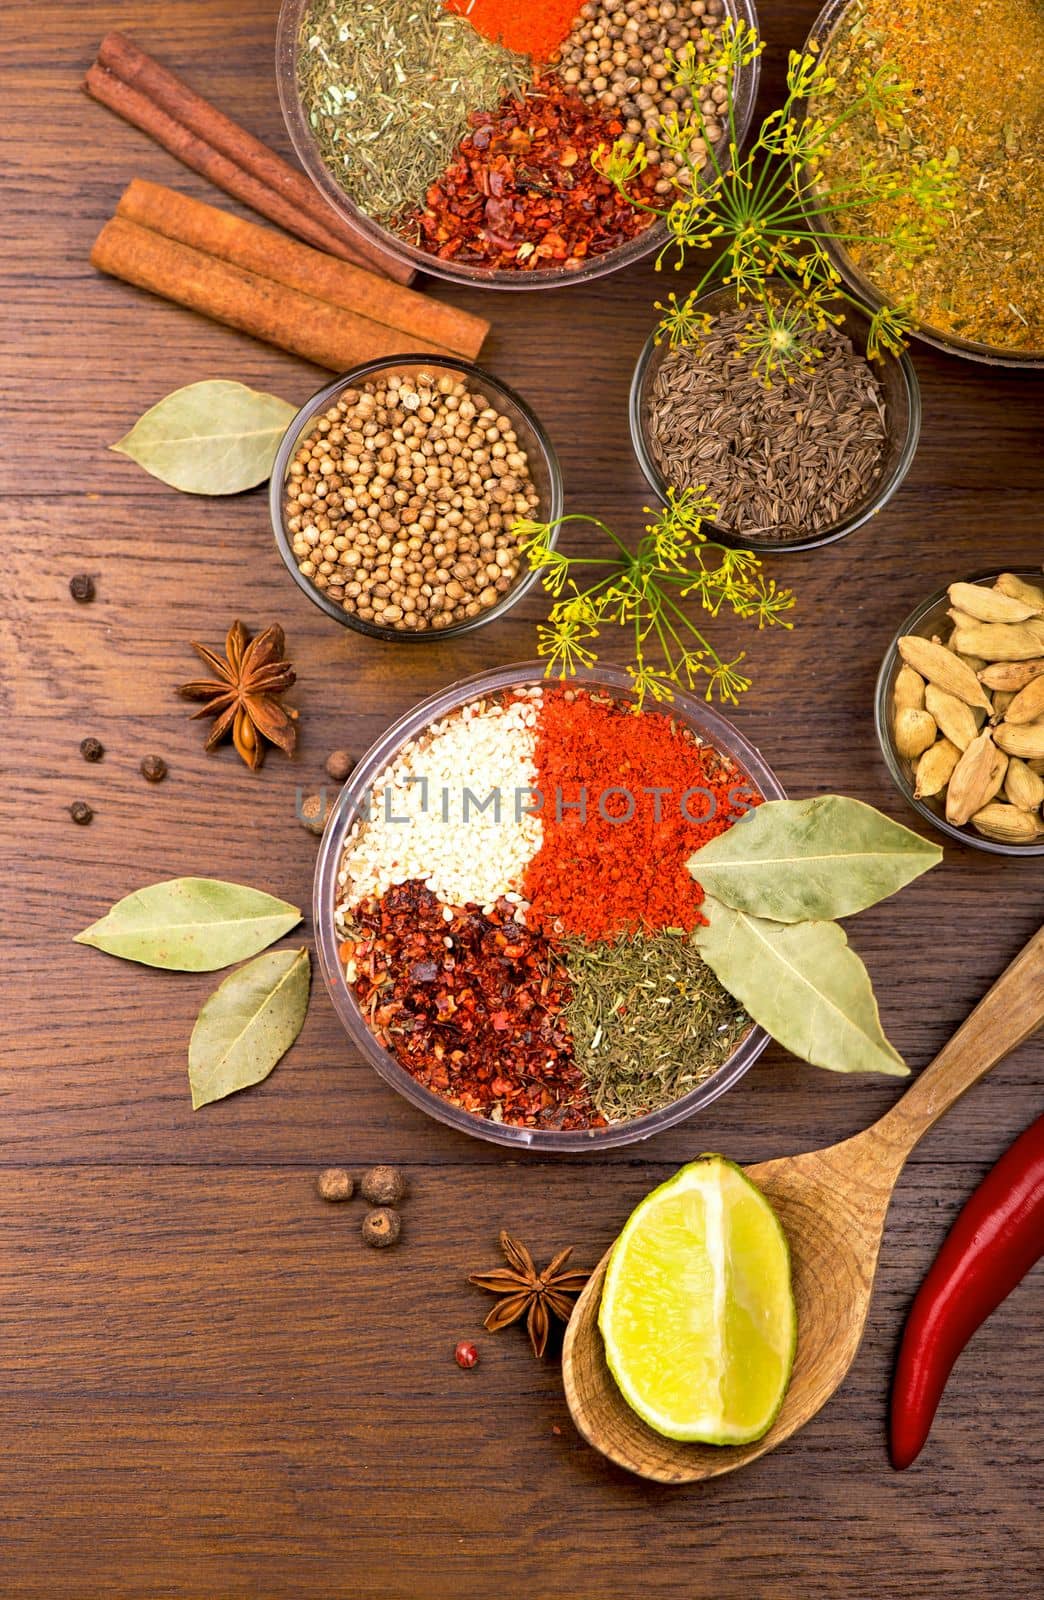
<point>1008,1014</point>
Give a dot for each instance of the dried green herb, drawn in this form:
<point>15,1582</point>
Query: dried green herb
<point>649,1020</point>
<point>387,87</point>
<point>216,437</point>
<point>248,1025</point>
<point>805,860</point>
<point>191,924</point>
<point>803,984</point>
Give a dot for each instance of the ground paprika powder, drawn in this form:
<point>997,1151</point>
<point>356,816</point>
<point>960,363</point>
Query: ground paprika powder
<point>532,27</point>
<point>626,801</point>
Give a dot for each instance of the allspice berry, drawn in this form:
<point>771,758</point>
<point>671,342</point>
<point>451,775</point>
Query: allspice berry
<point>383,1186</point>
<point>339,766</point>
<point>91,749</point>
<point>153,769</point>
<point>313,811</point>
<point>81,812</point>
<point>381,1228</point>
<point>82,587</point>
<point>335,1184</point>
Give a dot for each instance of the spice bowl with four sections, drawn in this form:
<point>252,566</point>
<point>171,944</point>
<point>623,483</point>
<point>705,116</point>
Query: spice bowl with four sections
<point>398,75</point>
<point>420,551</point>
<point>495,978</point>
<point>1003,168</point>
<point>931,620</point>
<point>899,393</point>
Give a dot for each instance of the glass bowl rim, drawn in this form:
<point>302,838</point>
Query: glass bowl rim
<point>825,24</point>
<point>659,485</point>
<point>882,707</point>
<point>318,402</point>
<point>709,725</point>
<point>615,260</point>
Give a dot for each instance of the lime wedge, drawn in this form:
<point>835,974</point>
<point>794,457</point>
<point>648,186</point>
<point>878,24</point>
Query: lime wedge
<point>697,1312</point>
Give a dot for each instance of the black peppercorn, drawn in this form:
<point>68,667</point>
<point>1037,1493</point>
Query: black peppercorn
<point>91,749</point>
<point>82,587</point>
<point>153,769</point>
<point>81,812</point>
<point>383,1186</point>
<point>381,1228</point>
<point>339,765</point>
<point>335,1184</point>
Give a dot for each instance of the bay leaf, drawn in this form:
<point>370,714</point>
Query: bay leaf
<point>191,924</point>
<point>811,860</point>
<point>215,437</point>
<point>803,983</point>
<point>248,1024</point>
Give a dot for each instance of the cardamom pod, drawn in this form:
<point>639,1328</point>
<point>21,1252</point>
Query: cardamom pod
<point>1023,787</point>
<point>955,719</point>
<point>962,619</point>
<point>969,785</point>
<point>1019,589</point>
<point>1011,674</point>
<point>913,731</point>
<point>1028,704</point>
<point>1002,699</point>
<point>1026,742</point>
<point>941,667</point>
<point>1000,641</point>
<point>935,768</point>
<point>997,775</point>
<point>989,605</point>
<point>1007,824</point>
<point>908,691</point>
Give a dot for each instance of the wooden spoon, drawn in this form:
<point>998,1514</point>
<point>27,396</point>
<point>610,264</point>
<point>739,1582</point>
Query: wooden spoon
<point>832,1204</point>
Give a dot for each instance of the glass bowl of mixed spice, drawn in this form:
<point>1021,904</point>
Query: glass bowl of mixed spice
<point>459,133</point>
<point>504,913</point>
<point>792,460</point>
<point>974,76</point>
<point>395,492</point>
<point>959,711</point>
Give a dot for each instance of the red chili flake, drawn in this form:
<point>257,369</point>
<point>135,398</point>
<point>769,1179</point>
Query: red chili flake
<point>520,192</point>
<point>485,1031</point>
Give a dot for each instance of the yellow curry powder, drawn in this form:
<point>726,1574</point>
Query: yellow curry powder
<point>975,71</point>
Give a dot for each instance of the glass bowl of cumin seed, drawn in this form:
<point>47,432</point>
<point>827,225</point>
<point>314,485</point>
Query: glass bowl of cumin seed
<point>753,444</point>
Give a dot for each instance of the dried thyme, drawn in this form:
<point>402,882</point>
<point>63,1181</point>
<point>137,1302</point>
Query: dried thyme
<point>649,1021</point>
<point>780,460</point>
<point>387,87</point>
<point>976,77</point>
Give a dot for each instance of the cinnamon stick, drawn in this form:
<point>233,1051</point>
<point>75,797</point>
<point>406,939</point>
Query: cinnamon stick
<point>272,255</point>
<point>146,94</point>
<point>300,323</point>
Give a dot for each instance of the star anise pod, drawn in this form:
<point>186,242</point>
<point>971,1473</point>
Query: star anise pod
<point>244,693</point>
<point>526,1292</point>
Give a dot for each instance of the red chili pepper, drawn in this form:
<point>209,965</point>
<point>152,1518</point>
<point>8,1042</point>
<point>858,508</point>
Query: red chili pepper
<point>995,1241</point>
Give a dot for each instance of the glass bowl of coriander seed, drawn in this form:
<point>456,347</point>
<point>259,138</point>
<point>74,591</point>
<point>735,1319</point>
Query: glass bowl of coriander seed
<point>395,492</point>
<point>793,459</point>
<point>959,711</point>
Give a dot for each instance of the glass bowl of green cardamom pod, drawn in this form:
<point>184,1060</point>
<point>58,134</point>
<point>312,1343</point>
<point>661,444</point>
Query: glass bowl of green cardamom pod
<point>796,456</point>
<point>381,103</point>
<point>959,711</point>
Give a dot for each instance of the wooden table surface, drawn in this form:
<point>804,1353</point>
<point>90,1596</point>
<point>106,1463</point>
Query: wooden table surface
<point>208,1387</point>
